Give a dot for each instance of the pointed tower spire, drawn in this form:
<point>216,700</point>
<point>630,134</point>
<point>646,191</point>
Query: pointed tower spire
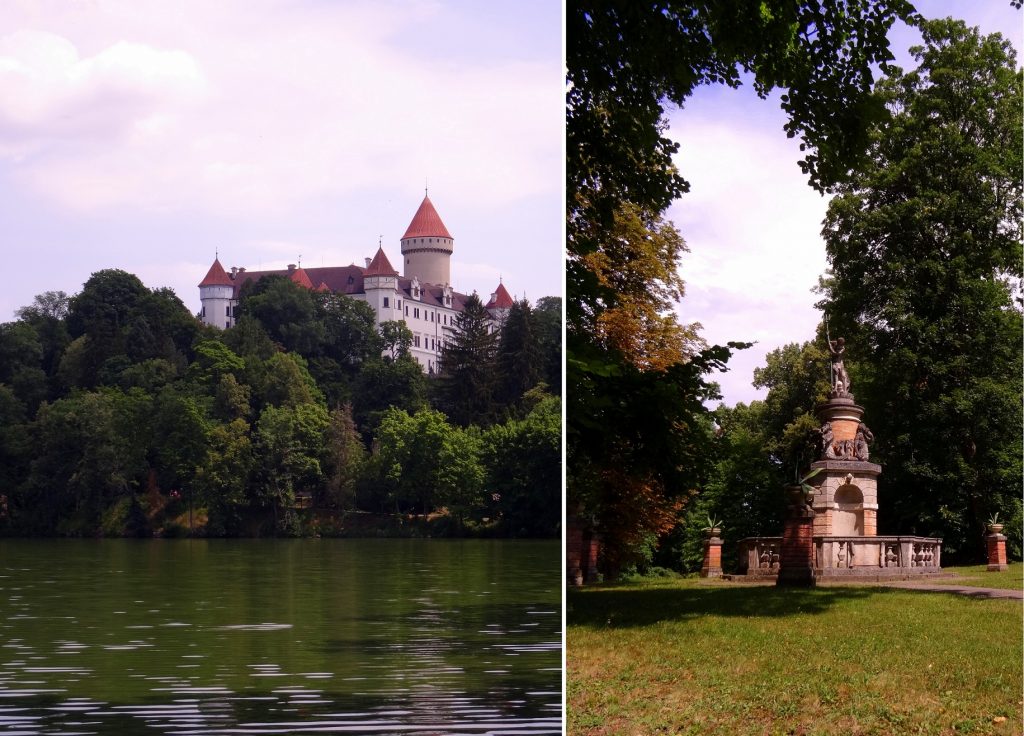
<point>427,246</point>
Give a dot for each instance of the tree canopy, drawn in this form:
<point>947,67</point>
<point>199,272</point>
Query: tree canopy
<point>120,414</point>
<point>639,439</point>
<point>924,243</point>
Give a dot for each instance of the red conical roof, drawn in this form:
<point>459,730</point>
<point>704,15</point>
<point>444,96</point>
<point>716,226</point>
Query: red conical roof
<point>217,276</point>
<point>426,223</point>
<point>323,287</point>
<point>380,265</point>
<point>300,277</point>
<point>501,299</point>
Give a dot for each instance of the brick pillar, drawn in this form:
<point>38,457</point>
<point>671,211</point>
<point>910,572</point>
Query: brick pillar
<point>574,552</point>
<point>593,547</point>
<point>712,567</point>
<point>870,522</point>
<point>996,543</point>
<point>796,560</point>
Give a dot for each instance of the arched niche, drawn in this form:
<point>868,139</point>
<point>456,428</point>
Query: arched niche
<point>848,515</point>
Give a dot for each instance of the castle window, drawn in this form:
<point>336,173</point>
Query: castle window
<point>416,313</point>
<point>227,311</point>
<point>399,303</point>
<point>204,310</point>
<point>416,340</point>
<point>385,301</point>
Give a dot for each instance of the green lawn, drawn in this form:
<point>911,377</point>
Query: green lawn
<point>689,657</point>
<point>978,577</point>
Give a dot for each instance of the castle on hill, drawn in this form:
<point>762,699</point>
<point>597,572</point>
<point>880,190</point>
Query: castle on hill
<point>422,297</point>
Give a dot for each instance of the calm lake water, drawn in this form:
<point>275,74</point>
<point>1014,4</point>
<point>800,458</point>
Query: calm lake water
<point>290,636</point>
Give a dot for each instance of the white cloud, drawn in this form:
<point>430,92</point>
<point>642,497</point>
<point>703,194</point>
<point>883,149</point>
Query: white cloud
<point>753,228</point>
<point>296,103</point>
<point>51,96</point>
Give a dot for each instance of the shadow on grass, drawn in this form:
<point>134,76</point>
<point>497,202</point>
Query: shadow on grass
<point>612,607</point>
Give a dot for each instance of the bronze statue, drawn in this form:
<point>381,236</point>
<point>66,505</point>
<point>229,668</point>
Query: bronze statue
<point>840,378</point>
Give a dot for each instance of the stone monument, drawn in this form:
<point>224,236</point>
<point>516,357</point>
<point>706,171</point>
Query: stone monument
<point>840,509</point>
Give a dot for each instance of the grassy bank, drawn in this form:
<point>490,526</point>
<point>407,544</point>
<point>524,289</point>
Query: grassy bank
<point>688,657</point>
<point>978,576</point>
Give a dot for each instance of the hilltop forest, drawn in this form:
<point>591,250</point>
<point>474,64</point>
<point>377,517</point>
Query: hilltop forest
<point>121,414</point>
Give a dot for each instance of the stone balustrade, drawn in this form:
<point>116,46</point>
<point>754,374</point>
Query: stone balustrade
<point>760,556</point>
<point>848,556</point>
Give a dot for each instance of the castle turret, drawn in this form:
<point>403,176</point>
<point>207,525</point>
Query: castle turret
<point>380,283</point>
<point>217,292</point>
<point>499,303</point>
<point>427,246</point>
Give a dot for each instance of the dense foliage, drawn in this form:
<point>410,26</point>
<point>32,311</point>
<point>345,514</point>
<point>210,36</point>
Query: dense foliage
<point>121,414</point>
<point>639,440</point>
<point>925,248</point>
<point>924,241</point>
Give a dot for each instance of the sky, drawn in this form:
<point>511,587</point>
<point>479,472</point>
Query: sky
<point>147,135</point>
<point>751,221</point>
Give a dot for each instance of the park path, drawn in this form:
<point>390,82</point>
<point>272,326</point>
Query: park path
<point>959,589</point>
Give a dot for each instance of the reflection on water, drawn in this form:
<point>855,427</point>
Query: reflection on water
<point>299,636</point>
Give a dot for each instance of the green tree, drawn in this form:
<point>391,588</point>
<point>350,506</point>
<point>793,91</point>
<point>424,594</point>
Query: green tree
<point>289,445</point>
<point>48,315</point>
<point>638,435</point>
<point>283,380</point>
<point>518,355</point>
<point>287,311</point>
<point>467,379</point>
<point>213,360</point>
<point>350,330</point>
<point>384,383</point>
<point>222,482</point>
<point>179,438</point>
<point>523,459</point>
<point>924,244</point>
<point>87,455</point>
<point>798,379</point>
<point>548,326</point>
<point>424,462</point>
<point>344,459</point>
<point>396,337</point>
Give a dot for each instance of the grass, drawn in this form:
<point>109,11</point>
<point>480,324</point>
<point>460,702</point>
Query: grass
<point>976,576</point>
<point>692,657</point>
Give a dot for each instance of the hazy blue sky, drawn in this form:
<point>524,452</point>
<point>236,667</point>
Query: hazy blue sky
<point>751,221</point>
<point>145,135</point>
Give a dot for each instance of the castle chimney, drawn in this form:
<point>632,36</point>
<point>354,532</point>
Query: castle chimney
<point>291,268</point>
<point>367,263</point>
<point>234,272</point>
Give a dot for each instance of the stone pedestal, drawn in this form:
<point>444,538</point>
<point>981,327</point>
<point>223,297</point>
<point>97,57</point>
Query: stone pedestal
<point>796,564</point>
<point>846,498</point>
<point>712,567</point>
<point>996,544</point>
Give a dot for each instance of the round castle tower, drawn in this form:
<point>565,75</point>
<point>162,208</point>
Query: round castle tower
<point>427,247</point>
<point>216,292</point>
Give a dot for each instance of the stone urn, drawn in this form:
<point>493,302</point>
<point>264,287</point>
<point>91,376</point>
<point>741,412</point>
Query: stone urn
<point>796,496</point>
<point>995,528</point>
<point>710,532</point>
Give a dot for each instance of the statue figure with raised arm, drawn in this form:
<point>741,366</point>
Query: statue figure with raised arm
<point>840,378</point>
